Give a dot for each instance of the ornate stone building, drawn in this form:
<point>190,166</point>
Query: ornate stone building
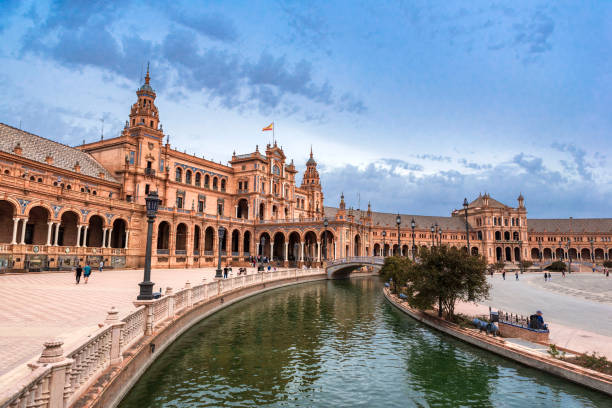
<point>60,205</point>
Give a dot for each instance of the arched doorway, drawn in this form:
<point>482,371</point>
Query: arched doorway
<point>585,254</point>
<point>223,243</point>
<point>474,251</point>
<point>7,212</point>
<point>508,254</point>
<point>395,250</point>
<point>559,253</point>
<point>310,247</point>
<point>599,254</point>
<point>376,249</point>
<point>535,253</point>
<point>246,243</point>
<point>517,254</point>
<point>264,245</point>
<point>209,240</point>
<point>405,250</point>
<point>163,236</point>
<point>235,242</point>
<point>68,231</point>
<point>357,247</point>
<point>262,211</point>
<point>279,247</point>
<point>573,254</point>
<point>181,239</point>
<point>37,227</point>
<point>294,247</point>
<point>327,245</point>
<point>386,250</point>
<point>196,234</point>
<point>95,231</point>
<point>118,234</point>
<point>498,254</point>
<point>243,209</point>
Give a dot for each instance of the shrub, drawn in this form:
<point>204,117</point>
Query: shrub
<point>558,266</point>
<point>594,362</point>
<point>607,264</point>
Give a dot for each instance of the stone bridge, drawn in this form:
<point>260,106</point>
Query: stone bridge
<point>342,268</point>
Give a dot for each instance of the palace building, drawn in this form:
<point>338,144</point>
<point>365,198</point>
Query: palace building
<point>60,205</point>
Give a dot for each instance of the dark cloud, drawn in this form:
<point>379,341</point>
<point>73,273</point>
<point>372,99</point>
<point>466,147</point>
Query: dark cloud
<point>212,25</point>
<point>547,192</point>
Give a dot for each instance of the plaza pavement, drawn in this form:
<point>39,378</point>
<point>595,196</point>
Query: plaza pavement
<point>37,307</point>
<point>577,308</point>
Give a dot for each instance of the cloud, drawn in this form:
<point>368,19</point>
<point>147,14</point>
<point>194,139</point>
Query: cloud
<point>212,25</point>
<point>432,157</point>
<point>580,164</point>
<point>392,186</point>
<point>474,165</point>
<point>534,35</point>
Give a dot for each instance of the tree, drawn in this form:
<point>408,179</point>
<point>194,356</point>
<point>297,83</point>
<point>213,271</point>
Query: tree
<point>558,266</point>
<point>497,267</point>
<point>442,275</point>
<point>396,269</point>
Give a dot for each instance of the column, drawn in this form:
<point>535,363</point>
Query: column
<point>236,211</point>
<point>15,225</point>
<point>23,230</point>
<point>286,251</point>
<point>49,227</point>
<point>127,236</point>
<point>302,252</point>
<point>56,239</point>
<point>257,249</point>
<point>104,237</point>
<point>271,250</point>
<point>318,251</point>
<point>334,250</point>
<point>78,243</point>
<point>85,236</point>
<point>110,236</point>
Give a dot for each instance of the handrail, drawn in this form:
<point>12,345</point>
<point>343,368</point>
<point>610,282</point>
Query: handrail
<point>375,260</point>
<point>77,369</point>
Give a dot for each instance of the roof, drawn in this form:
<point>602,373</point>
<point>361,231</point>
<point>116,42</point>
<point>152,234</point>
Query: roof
<point>422,221</point>
<point>565,225</point>
<point>479,202</point>
<point>37,148</point>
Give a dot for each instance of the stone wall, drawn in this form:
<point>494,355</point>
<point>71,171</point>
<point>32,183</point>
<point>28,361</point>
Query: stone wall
<point>512,331</point>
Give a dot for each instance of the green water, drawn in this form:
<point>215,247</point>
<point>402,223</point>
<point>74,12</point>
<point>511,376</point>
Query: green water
<point>332,344</point>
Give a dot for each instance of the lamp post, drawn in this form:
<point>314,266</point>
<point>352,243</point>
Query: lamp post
<point>413,225</point>
<point>219,272</point>
<point>325,224</point>
<point>592,253</point>
<point>467,230</point>
<point>146,286</point>
<point>433,234</point>
<point>569,258</point>
<point>384,234</point>
<point>540,245</point>
<point>440,236</point>
<point>398,221</point>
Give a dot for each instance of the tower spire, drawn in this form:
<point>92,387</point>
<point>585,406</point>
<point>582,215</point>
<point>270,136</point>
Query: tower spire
<point>147,77</point>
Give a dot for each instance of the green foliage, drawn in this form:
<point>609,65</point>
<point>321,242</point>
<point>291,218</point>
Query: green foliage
<point>594,362</point>
<point>442,275</point>
<point>607,264</point>
<point>554,351</point>
<point>558,266</point>
<point>497,267</point>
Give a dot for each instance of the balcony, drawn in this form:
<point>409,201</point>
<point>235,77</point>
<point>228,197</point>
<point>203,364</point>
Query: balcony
<point>149,172</point>
<point>163,252</point>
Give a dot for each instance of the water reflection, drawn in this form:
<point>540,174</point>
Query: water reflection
<point>336,343</point>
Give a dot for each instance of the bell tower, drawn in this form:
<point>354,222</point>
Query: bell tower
<point>311,180</point>
<point>144,113</point>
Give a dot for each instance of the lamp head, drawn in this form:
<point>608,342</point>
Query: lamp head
<point>398,219</point>
<point>412,223</point>
<point>384,233</point>
<point>325,222</point>
<point>152,203</point>
<point>433,229</point>
<point>465,203</point>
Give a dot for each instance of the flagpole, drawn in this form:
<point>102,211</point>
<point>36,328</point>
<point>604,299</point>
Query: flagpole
<point>273,135</point>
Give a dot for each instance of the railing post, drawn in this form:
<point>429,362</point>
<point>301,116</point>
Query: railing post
<point>204,289</point>
<point>149,304</point>
<point>170,295</point>
<point>189,295</point>
<point>54,354</point>
<point>112,319</point>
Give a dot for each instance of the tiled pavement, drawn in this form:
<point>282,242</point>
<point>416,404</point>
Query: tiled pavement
<point>38,307</point>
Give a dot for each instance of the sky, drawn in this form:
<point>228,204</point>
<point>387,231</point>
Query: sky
<point>409,105</point>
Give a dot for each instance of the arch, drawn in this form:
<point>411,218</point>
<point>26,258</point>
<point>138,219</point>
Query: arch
<point>262,210</point>
<point>279,247</point>
<point>535,253</point>
<point>223,184</point>
<point>506,235</point>
<point>209,240</point>
<point>497,235</point>
<point>498,254</point>
<point>585,254</point>
<point>235,242</point>
<point>188,177</point>
<point>294,246</point>
<point>68,230</point>
<point>517,254</point>
<point>405,250</point>
<point>310,246</point>
<point>246,243</point>
<point>327,245</point>
<point>95,231</point>
<point>573,253</point>
<point>243,209</point>
<point>395,250</point>
<point>198,179</point>
<point>37,227</point>
<point>386,250</point>
<point>515,236</point>
<point>178,175</point>
<point>181,237</point>
<point>357,247</point>
<point>215,183</point>
<point>163,235</point>
<point>376,249</point>
<point>599,254</point>
<point>223,243</point>
<point>197,232</point>
<point>508,252</point>
<point>7,212</point>
<point>117,239</point>
<point>559,253</point>
<point>474,250</point>
<point>547,253</point>
<point>206,181</point>
<point>264,244</point>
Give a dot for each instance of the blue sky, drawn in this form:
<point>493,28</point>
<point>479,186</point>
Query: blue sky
<point>411,105</point>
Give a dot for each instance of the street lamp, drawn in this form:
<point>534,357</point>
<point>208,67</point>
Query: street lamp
<point>398,221</point>
<point>412,225</point>
<point>467,230</point>
<point>540,245</point>
<point>592,253</point>
<point>219,272</point>
<point>569,257</point>
<point>384,234</point>
<point>325,224</point>
<point>146,286</point>
<point>433,234</point>
<point>440,236</point>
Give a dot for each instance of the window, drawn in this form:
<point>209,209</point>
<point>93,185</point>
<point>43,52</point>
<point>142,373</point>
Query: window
<point>215,183</point>
<point>149,164</point>
<point>246,186</point>
<point>276,170</point>
<point>161,164</point>
<point>147,189</point>
<point>179,175</point>
<point>188,177</point>
<point>220,207</point>
<point>198,179</point>
<point>222,184</point>
<point>200,205</point>
<point>132,157</point>
<point>206,181</point>
<point>151,123</point>
<point>179,202</point>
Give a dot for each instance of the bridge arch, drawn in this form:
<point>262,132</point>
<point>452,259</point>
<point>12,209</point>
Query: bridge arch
<point>344,267</point>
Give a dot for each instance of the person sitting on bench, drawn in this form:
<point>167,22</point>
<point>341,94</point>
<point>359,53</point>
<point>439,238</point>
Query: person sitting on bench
<point>536,321</point>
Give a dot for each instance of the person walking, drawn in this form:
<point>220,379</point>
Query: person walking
<point>545,276</point>
<point>78,271</point>
<point>516,275</point>
<point>101,266</point>
<point>86,272</point>
<point>504,275</point>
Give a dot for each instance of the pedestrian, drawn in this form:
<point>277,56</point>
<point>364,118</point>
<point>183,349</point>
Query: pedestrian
<point>225,273</point>
<point>607,274</point>
<point>545,276</point>
<point>516,275</point>
<point>78,270</point>
<point>101,266</point>
<point>504,275</point>
<point>549,276</point>
<point>86,272</point>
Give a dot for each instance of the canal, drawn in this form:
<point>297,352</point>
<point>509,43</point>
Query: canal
<point>332,344</point>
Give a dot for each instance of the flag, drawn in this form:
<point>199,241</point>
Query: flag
<point>269,127</point>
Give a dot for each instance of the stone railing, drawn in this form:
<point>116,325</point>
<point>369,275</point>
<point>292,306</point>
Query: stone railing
<point>377,260</point>
<point>58,379</point>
